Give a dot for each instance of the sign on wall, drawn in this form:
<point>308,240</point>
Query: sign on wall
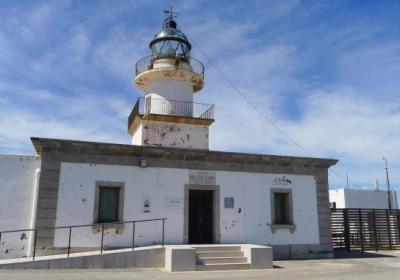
<point>197,177</point>
<point>146,204</point>
<point>281,181</point>
<point>173,202</point>
<point>229,202</point>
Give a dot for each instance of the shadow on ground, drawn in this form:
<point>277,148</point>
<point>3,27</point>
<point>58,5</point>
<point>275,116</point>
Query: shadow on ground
<point>359,254</point>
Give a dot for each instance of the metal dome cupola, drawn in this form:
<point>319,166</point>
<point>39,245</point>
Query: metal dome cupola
<point>170,41</point>
<point>170,64</point>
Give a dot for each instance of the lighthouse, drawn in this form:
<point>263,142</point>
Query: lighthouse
<point>169,77</point>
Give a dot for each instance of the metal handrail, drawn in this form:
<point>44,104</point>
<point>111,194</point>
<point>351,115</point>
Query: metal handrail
<point>102,225</point>
<point>146,63</point>
<point>158,106</point>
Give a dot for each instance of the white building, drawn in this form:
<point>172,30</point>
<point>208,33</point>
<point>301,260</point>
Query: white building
<point>167,172</point>
<point>362,198</point>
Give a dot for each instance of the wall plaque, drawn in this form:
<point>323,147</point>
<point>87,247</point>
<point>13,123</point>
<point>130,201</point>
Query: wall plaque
<point>283,181</point>
<point>173,202</point>
<point>202,177</point>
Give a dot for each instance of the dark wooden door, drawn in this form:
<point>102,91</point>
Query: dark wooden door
<point>200,217</point>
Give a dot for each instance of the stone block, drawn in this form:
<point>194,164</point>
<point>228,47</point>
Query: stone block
<point>260,257</point>
<point>180,258</point>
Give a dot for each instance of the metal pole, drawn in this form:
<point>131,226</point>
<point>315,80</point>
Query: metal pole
<point>389,193</point>
<point>133,236</point>
<point>69,241</point>
<point>34,245</point>
<point>163,227</point>
<point>347,180</point>
<point>102,239</point>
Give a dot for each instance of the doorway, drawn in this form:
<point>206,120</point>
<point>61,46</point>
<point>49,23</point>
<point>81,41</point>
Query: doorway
<point>201,215</point>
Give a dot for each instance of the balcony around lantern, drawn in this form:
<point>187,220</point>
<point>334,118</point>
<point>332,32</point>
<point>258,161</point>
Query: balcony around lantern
<point>188,68</point>
<point>157,109</point>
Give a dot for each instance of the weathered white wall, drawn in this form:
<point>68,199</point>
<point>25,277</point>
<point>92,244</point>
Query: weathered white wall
<point>137,137</point>
<point>361,198</point>
<point>250,190</point>
<point>171,135</point>
<point>18,190</point>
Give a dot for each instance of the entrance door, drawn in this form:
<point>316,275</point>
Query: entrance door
<point>200,217</point>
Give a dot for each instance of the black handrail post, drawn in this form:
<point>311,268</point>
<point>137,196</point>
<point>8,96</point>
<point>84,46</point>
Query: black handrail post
<point>133,235</point>
<point>34,245</point>
<point>163,232</point>
<point>69,241</point>
<point>102,239</point>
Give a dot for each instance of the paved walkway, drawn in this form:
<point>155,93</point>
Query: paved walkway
<point>377,266</point>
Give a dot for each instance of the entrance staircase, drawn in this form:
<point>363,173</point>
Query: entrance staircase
<point>220,258</point>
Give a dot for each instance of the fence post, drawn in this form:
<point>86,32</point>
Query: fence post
<point>398,225</point>
<point>69,241</point>
<point>375,231</point>
<point>388,228</point>
<point>102,239</point>
<point>163,232</point>
<point>34,245</point>
<point>133,236</point>
<point>346,230</point>
<point>361,229</point>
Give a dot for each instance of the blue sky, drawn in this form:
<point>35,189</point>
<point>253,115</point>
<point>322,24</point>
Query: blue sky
<point>326,72</point>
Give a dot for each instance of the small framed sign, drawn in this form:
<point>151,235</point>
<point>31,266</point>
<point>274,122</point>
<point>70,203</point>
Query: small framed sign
<point>146,204</point>
<point>229,202</point>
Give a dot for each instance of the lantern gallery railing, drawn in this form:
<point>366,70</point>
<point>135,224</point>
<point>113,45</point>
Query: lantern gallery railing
<point>170,62</point>
<point>158,106</point>
<point>102,228</point>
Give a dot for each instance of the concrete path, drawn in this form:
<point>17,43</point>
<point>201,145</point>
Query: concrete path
<point>382,266</point>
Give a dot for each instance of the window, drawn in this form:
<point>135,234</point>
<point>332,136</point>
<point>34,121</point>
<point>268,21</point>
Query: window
<point>108,204</point>
<point>282,210</point>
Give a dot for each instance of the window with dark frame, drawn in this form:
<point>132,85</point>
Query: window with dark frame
<point>282,215</point>
<point>108,204</point>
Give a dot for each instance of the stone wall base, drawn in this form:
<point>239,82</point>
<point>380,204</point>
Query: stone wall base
<point>303,251</point>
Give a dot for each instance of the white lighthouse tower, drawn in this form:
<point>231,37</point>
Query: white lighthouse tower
<point>169,77</point>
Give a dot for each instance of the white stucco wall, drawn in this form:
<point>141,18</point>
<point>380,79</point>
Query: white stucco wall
<point>250,190</point>
<point>170,89</point>
<point>338,197</point>
<point>171,135</point>
<point>18,190</point>
<point>361,198</point>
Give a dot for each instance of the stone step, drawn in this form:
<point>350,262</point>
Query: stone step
<point>225,266</point>
<point>217,248</point>
<point>222,260</point>
<point>219,254</point>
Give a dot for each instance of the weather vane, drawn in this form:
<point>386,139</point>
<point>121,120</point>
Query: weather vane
<point>170,14</point>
